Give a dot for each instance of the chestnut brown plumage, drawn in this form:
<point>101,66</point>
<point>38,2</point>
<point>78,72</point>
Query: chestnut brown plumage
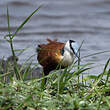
<point>49,55</point>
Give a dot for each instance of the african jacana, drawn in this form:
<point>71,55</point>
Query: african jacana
<point>56,53</point>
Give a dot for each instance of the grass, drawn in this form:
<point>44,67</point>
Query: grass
<point>64,90</point>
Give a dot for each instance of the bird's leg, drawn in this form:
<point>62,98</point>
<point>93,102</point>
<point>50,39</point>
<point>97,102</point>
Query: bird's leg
<point>46,72</point>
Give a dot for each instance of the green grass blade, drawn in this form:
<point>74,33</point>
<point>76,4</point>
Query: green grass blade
<point>106,65</point>
<point>89,55</point>
<point>12,48</point>
<point>104,71</point>
<point>8,19</point>
<point>25,21</point>
<point>27,71</point>
<point>108,74</point>
<point>24,64</point>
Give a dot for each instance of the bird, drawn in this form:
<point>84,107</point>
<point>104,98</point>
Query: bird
<point>56,54</point>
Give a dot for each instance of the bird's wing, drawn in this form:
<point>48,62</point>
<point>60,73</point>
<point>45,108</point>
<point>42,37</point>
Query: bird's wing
<point>50,53</point>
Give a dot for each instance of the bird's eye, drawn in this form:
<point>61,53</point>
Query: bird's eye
<point>62,51</point>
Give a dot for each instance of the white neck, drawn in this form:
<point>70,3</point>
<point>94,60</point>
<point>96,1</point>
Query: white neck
<point>67,59</point>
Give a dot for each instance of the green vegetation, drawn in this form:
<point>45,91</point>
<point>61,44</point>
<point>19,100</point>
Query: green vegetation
<point>65,90</point>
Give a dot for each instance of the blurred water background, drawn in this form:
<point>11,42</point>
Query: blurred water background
<point>87,20</point>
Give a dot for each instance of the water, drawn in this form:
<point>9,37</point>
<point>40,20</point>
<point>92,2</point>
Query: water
<point>87,20</point>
